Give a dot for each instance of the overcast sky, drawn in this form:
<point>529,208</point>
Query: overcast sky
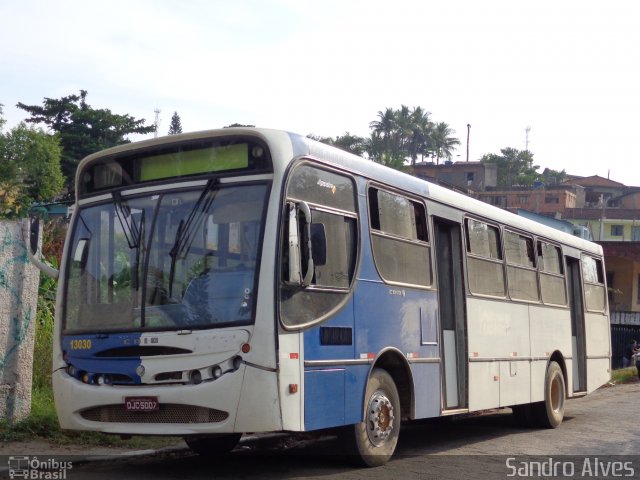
<point>568,69</point>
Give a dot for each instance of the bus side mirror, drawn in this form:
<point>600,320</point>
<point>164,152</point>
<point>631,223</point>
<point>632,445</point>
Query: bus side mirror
<point>300,245</point>
<point>31,232</point>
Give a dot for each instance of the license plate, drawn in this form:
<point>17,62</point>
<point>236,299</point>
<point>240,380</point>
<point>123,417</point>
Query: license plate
<point>141,404</point>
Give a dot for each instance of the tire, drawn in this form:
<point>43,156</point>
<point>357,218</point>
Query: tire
<point>374,440</point>
<point>550,413</point>
<point>215,445</point>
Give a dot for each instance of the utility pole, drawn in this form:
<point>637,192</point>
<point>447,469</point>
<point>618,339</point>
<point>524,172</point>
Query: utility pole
<point>468,134</point>
<point>156,122</point>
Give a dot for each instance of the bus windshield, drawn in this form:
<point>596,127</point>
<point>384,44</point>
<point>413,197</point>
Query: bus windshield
<point>164,261</point>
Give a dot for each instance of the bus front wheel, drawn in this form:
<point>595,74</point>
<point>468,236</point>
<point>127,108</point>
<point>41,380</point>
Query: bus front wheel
<point>215,445</point>
<point>375,439</point>
<point>551,412</point>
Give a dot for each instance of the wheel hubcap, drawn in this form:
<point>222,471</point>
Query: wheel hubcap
<point>379,418</point>
<point>557,395</point>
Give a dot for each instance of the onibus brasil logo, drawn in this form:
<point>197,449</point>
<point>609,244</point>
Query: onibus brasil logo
<point>38,469</point>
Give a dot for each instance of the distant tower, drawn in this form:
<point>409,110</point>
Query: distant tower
<point>156,122</point>
<point>526,138</point>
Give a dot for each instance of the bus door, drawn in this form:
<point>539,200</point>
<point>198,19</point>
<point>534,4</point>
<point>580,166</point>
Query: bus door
<point>576,303</point>
<point>453,330</point>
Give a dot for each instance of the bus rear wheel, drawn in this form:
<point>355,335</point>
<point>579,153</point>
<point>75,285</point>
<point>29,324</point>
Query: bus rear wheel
<point>550,413</point>
<point>375,439</point>
<point>215,445</point>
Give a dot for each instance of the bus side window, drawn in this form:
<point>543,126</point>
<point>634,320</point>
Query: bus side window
<point>593,277</point>
<point>399,237</point>
<point>484,259</point>
<point>321,206</point>
<point>552,282</point>
<point>521,273</point>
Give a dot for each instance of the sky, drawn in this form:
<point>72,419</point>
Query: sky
<point>569,69</point>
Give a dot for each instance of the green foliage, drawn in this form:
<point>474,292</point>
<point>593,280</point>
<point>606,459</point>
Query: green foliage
<point>399,135</point>
<point>515,167</point>
<point>29,169</point>
<point>82,130</point>
<point>176,125</point>
<point>624,375</point>
<point>2,120</point>
<point>347,142</point>
<point>53,233</point>
<point>553,177</point>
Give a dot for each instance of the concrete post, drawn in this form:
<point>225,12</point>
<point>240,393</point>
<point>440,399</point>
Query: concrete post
<point>18,303</point>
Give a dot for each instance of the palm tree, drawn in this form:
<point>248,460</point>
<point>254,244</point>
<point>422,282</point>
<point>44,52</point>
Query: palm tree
<point>443,141</point>
<point>384,127</point>
<point>420,141</point>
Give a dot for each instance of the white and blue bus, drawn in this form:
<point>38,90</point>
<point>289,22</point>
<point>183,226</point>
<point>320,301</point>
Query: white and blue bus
<point>252,280</point>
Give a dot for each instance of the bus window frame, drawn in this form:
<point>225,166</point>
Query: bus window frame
<point>372,185</point>
<point>541,272</point>
<point>600,266</point>
<point>107,198</point>
<point>499,261</point>
<point>279,282</point>
<point>509,264</point>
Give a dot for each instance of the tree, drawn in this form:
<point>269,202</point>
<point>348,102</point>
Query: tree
<point>29,169</point>
<point>81,129</point>
<point>399,136</point>
<point>347,142</point>
<point>175,126</point>
<point>553,177</point>
<point>402,133</point>
<point>2,120</point>
<point>515,167</point>
<point>443,141</point>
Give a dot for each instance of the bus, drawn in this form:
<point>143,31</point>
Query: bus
<point>254,280</point>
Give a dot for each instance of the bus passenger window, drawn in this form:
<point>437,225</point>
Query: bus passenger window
<point>399,238</point>
<point>552,282</point>
<point>484,259</point>
<point>521,273</point>
<point>593,277</point>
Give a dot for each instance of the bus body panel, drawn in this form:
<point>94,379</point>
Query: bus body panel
<point>598,339</point>
<point>73,397</point>
<point>515,342</point>
<point>291,380</point>
<point>259,404</point>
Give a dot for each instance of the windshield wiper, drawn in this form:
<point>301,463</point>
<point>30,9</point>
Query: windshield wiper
<point>123,212</point>
<point>132,232</point>
<point>186,229</point>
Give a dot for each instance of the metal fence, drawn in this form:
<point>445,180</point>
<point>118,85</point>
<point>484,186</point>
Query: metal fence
<point>625,326</point>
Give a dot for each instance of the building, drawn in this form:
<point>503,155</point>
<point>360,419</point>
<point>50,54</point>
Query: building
<point>474,176</point>
<point>545,200</point>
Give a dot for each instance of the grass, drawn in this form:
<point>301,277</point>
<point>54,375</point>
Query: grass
<point>624,375</point>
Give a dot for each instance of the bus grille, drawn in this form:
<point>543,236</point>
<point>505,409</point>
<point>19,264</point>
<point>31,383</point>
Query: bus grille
<point>168,413</point>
